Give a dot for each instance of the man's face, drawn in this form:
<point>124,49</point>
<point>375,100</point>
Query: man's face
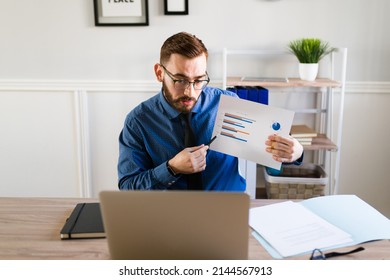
<point>182,68</point>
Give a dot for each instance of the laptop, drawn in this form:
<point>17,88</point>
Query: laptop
<point>181,225</point>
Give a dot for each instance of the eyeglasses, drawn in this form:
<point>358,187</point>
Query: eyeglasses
<point>182,84</point>
<point>318,255</point>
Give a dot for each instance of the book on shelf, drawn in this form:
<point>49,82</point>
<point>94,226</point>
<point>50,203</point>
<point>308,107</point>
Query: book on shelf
<point>85,221</point>
<point>300,131</point>
<point>256,94</point>
<point>325,222</point>
<point>304,139</point>
<point>305,142</point>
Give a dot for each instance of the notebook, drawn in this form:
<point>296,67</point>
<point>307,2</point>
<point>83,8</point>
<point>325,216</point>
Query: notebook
<point>84,222</point>
<point>176,224</point>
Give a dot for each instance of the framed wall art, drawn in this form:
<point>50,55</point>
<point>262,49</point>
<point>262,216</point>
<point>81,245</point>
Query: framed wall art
<point>176,7</point>
<point>121,12</point>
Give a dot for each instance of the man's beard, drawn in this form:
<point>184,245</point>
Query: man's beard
<point>176,103</point>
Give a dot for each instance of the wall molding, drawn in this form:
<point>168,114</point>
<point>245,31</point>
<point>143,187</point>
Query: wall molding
<point>80,85</point>
<point>367,87</point>
<point>147,85</point>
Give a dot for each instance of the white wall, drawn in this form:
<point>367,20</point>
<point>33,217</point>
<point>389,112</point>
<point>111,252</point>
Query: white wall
<point>364,168</point>
<point>54,39</point>
<point>50,50</point>
<point>37,144</point>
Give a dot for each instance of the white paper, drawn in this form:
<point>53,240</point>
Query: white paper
<point>176,6</point>
<point>243,126</point>
<point>291,229</point>
<point>111,8</point>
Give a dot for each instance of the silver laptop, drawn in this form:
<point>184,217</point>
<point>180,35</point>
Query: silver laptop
<point>176,224</point>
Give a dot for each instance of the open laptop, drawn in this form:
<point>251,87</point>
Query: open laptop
<point>176,224</point>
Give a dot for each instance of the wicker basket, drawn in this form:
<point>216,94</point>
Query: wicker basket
<point>296,182</point>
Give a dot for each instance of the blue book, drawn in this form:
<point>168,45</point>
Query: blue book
<point>232,89</point>
<point>242,92</point>
<point>258,94</point>
<point>263,95</point>
<point>253,94</point>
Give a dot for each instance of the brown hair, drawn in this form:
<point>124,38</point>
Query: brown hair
<point>182,43</point>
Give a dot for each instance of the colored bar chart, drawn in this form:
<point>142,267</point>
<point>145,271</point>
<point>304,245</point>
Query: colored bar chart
<point>235,127</point>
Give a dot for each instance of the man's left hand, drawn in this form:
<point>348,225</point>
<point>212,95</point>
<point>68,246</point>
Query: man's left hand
<point>284,149</point>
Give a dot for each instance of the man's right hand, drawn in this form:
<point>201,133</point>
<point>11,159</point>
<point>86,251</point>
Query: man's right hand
<point>190,160</point>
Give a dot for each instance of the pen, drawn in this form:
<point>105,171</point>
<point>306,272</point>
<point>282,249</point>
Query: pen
<point>212,140</point>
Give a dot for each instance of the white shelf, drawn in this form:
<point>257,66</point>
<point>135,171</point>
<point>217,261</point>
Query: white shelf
<point>324,109</point>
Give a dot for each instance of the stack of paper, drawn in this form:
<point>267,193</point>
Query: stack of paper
<point>293,228</point>
<point>303,134</point>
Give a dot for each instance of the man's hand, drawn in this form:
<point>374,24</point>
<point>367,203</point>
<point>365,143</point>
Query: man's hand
<point>284,149</point>
<point>190,160</point>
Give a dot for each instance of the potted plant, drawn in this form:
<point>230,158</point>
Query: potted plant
<point>309,51</point>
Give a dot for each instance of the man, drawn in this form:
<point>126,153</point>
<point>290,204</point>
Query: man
<point>152,149</point>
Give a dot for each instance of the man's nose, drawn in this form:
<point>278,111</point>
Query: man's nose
<point>189,91</point>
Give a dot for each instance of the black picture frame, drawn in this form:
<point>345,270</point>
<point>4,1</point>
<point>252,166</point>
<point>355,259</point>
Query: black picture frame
<point>170,11</point>
<point>101,20</point>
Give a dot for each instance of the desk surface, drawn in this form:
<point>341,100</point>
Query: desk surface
<point>30,229</point>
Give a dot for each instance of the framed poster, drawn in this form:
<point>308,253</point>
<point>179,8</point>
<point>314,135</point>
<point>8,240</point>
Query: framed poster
<point>176,7</point>
<point>121,12</point>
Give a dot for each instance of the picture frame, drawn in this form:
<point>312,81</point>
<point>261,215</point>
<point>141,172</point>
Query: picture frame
<point>121,13</point>
<point>176,7</point>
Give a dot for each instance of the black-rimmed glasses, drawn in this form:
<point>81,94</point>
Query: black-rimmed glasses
<point>318,255</point>
<point>182,84</point>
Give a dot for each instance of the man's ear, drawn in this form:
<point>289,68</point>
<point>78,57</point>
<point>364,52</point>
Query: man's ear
<point>159,72</point>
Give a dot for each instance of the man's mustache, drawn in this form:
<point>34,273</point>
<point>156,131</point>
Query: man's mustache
<point>185,98</point>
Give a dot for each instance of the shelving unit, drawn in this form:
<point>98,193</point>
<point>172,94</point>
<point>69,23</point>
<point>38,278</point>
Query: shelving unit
<point>326,144</point>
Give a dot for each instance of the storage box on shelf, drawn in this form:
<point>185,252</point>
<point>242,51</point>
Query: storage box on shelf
<point>296,182</point>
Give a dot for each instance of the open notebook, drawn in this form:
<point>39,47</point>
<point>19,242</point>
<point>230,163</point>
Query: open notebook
<point>327,222</point>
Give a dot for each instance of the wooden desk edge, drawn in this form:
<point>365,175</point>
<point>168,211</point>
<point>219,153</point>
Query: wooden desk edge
<point>36,235</point>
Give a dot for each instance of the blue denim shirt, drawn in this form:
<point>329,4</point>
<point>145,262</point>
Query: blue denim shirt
<point>153,134</point>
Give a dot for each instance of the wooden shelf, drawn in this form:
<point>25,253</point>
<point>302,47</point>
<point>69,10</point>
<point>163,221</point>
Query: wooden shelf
<point>292,82</point>
<point>321,142</point>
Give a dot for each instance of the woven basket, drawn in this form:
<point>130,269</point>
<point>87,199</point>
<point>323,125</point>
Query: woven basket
<point>296,182</point>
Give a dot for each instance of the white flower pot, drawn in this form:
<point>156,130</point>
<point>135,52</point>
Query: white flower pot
<point>308,71</point>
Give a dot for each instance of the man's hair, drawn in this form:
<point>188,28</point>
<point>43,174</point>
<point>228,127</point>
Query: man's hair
<point>184,44</point>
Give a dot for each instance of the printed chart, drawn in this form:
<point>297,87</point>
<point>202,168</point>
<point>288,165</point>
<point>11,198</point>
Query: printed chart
<point>236,127</point>
<point>243,126</point>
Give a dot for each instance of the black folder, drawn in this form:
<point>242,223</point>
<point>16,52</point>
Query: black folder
<point>85,221</point>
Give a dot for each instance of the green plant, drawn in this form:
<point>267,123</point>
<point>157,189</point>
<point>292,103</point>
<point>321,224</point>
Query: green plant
<point>309,50</point>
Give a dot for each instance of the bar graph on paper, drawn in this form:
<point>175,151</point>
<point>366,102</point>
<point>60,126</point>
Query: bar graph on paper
<point>243,126</point>
<point>236,127</point>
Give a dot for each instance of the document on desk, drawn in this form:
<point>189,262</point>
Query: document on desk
<point>243,126</point>
<point>293,228</point>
